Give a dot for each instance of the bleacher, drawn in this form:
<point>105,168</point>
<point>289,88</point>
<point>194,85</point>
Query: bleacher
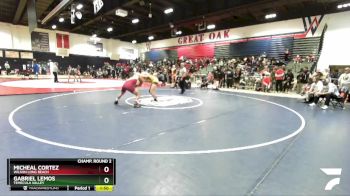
<point>306,46</point>
<point>272,47</point>
<point>297,66</point>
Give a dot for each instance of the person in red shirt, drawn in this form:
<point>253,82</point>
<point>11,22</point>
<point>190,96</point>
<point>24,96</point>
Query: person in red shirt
<point>266,82</point>
<point>279,77</point>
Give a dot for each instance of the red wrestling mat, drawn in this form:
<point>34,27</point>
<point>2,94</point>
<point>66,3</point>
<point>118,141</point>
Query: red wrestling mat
<point>15,90</point>
<point>4,90</point>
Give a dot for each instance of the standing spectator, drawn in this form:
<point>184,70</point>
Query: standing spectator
<point>78,72</point>
<point>173,75</point>
<point>229,78</point>
<point>286,55</point>
<point>335,75</point>
<point>71,72</point>
<point>210,78</point>
<point>306,77</point>
<point>300,83</point>
<point>113,72</point>
<point>221,77</point>
<point>36,69</point>
<point>216,74</point>
<point>288,80</point>
<point>317,74</point>
<point>7,68</point>
<point>55,71</point>
<point>237,77</point>
<point>273,78</point>
<point>326,75</point>
<point>279,76</point>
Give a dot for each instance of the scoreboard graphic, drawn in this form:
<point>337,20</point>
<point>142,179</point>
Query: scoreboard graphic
<point>84,174</point>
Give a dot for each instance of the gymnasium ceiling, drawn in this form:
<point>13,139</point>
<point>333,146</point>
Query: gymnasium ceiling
<point>187,13</point>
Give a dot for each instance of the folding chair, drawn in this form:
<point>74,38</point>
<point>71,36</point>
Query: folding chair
<point>338,102</point>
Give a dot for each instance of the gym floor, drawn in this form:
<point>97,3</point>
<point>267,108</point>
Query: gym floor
<point>204,142</point>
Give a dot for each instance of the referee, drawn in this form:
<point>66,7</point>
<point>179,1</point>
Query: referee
<point>182,75</point>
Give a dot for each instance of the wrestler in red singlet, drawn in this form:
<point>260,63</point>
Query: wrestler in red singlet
<point>131,86</point>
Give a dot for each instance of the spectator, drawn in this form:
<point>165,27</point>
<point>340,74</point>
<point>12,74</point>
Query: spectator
<point>344,83</point>
<point>315,89</point>
<point>300,82</point>
<point>229,78</point>
<point>266,82</point>
<point>55,71</point>
<point>286,55</point>
<point>7,68</point>
<point>332,92</point>
<point>216,74</point>
<point>210,78</point>
<point>237,77</point>
<point>288,80</point>
<point>78,72</point>
<point>173,75</point>
<point>317,74</point>
<point>279,76</point>
<point>221,77</point>
<point>36,69</point>
<point>297,59</point>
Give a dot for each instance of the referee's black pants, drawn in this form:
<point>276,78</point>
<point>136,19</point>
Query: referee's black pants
<point>182,85</point>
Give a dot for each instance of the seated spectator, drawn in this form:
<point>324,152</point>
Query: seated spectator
<point>266,83</point>
<point>99,73</point>
<point>297,59</point>
<point>344,83</point>
<point>258,84</point>
<point>331,92</point>
<point>315,88</point>
<point>317,74</point>
<point>210,78</point>
<point>204,82</point>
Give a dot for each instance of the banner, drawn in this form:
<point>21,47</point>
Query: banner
<point>40,41</point>
<point>12,54</point>
<point>26,55</point>
<point>62,40</point>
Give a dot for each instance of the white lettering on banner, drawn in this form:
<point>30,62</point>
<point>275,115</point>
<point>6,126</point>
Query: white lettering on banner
<point>199,38</point>
<point>98,4</point>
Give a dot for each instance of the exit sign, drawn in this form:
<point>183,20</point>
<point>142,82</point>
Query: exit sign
<point>98,4</point>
